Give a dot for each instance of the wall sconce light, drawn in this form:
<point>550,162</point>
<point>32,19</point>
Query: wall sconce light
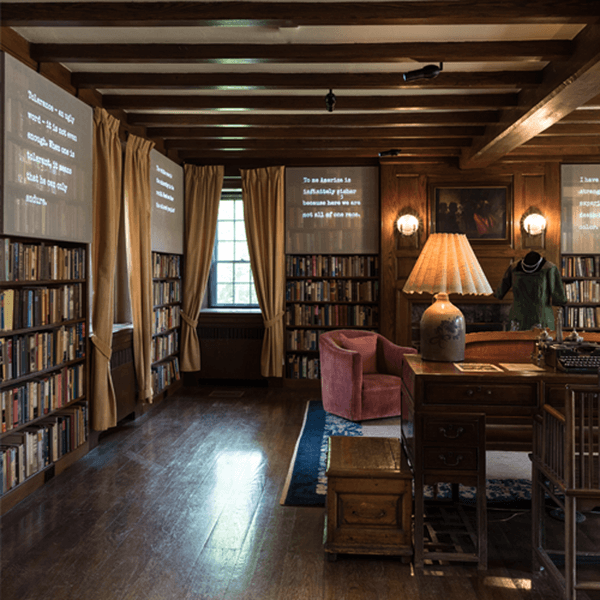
<point>408,224</point>
<point>330,101</point>
<point>533,228</point>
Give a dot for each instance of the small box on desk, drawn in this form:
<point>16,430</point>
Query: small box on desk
<point>369,497</point>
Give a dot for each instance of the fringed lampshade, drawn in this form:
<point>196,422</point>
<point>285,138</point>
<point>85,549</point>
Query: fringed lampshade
<point>446,265</point>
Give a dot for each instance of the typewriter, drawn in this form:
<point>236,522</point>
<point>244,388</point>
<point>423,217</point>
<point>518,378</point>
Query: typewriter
<point>574,357</point>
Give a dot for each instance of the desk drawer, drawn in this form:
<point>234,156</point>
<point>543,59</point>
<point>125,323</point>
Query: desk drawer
<point>442,458</point>
<point>445,431</point>
<point>481,394</point>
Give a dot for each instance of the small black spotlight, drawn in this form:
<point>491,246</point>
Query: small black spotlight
<point>427,72</point>
<point>393,152</point>
<point>330,101</point>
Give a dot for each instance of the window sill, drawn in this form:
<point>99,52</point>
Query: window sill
<point>230,311</point>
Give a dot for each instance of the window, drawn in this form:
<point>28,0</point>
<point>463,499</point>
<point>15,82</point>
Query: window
<point>231,283</point>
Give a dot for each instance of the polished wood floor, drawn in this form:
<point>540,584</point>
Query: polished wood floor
<point>183,503</point>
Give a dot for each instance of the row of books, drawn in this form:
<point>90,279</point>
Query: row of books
<point>166,292</point>
<point>165,345</point>
<point>22,308</point>
<point>39,397</point>
<point>303,367</point>
<point>303,339</point>
<point>580,266</point>
<point>28,353</point>
<point>341,290</point>
<point>582,291</point>
<point>331,266</point>
<point>25,452</point>
<point>165,374</point>
<point>582,317</point>
<point>332,315</point>
<point>166,265</point>
<point>165,318</point>
<point>20,261</point>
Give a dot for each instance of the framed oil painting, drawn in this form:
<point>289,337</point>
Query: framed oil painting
<point>482,213</point>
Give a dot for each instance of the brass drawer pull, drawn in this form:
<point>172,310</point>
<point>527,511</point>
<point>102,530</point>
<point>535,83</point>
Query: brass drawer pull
<point>367,514</point>
<point>452,432</point>
<point>470,392</point>
<point>456,462</point>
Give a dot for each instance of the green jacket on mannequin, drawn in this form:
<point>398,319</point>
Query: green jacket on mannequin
<point>537,287</point>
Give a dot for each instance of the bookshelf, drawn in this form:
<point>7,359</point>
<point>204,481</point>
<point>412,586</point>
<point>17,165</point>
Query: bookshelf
<point>43,362</point>
<point>325,292</point>
<point>166,294</point>
<point>581,278</point>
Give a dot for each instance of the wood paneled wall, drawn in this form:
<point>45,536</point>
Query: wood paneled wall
<point>409,186</point>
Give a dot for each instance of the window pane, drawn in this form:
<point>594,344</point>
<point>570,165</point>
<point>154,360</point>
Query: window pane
<point>253,296</point>
<point>241,251</point>
<point>225,251</point>
<point>242,294</point>
<point>239,210</point>
<point>243,273</point>
<point>225,293</point>
<point>225,230</point>
<point>226,210</point>
<point>224,272</point>
<point>240,231</point>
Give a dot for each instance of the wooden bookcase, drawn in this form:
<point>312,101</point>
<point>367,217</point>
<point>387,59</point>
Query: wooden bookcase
<point>43,362</point>
<point>581,278</point>
<point>325,292</point>
<point>166,294</point>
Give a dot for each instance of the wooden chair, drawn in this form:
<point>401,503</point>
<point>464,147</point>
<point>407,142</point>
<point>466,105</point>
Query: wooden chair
<point>505,346</point>
<point>508,346</point>
<point>566,469</point>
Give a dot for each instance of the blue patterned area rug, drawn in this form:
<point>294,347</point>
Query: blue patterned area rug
<point>306,483</point>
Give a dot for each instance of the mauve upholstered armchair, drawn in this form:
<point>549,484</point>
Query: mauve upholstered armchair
<point>361,374</point>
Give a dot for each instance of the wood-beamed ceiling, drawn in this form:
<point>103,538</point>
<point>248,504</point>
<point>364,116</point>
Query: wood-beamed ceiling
<point>244,83</point>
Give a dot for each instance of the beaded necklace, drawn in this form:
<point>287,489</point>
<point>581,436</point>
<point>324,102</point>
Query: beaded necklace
<point>531,268</point>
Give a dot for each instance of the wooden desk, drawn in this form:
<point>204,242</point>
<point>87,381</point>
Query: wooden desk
<point>439,394</point>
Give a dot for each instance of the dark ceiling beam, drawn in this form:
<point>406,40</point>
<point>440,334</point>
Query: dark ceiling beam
<point>563,154</point>
<point>323,142</point>
<point>566,86</point>
<point>582,116</point>
<point>261,80</point>
<point>334,119</point>
<point>311,153</point>
<point>304,53</point>
<point>563,140</point>
<point>436,12</point>
<point>562,128</point>
<point>314,102</point>
<point>270,133</point>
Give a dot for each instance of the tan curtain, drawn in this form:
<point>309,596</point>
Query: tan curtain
<point>108,168</point>
<point>136,187</point>
<point>263,195</point>
<point>202,195</point>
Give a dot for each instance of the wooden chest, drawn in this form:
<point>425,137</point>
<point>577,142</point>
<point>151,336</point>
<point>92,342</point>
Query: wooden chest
<point>369,497</point>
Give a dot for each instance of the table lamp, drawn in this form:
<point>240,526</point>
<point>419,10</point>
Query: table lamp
<point>446,265</point>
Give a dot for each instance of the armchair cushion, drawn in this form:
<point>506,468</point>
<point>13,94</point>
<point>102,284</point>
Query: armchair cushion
<point>366,346</point>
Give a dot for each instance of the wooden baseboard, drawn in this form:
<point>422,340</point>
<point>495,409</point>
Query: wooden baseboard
<point>302,383</point>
